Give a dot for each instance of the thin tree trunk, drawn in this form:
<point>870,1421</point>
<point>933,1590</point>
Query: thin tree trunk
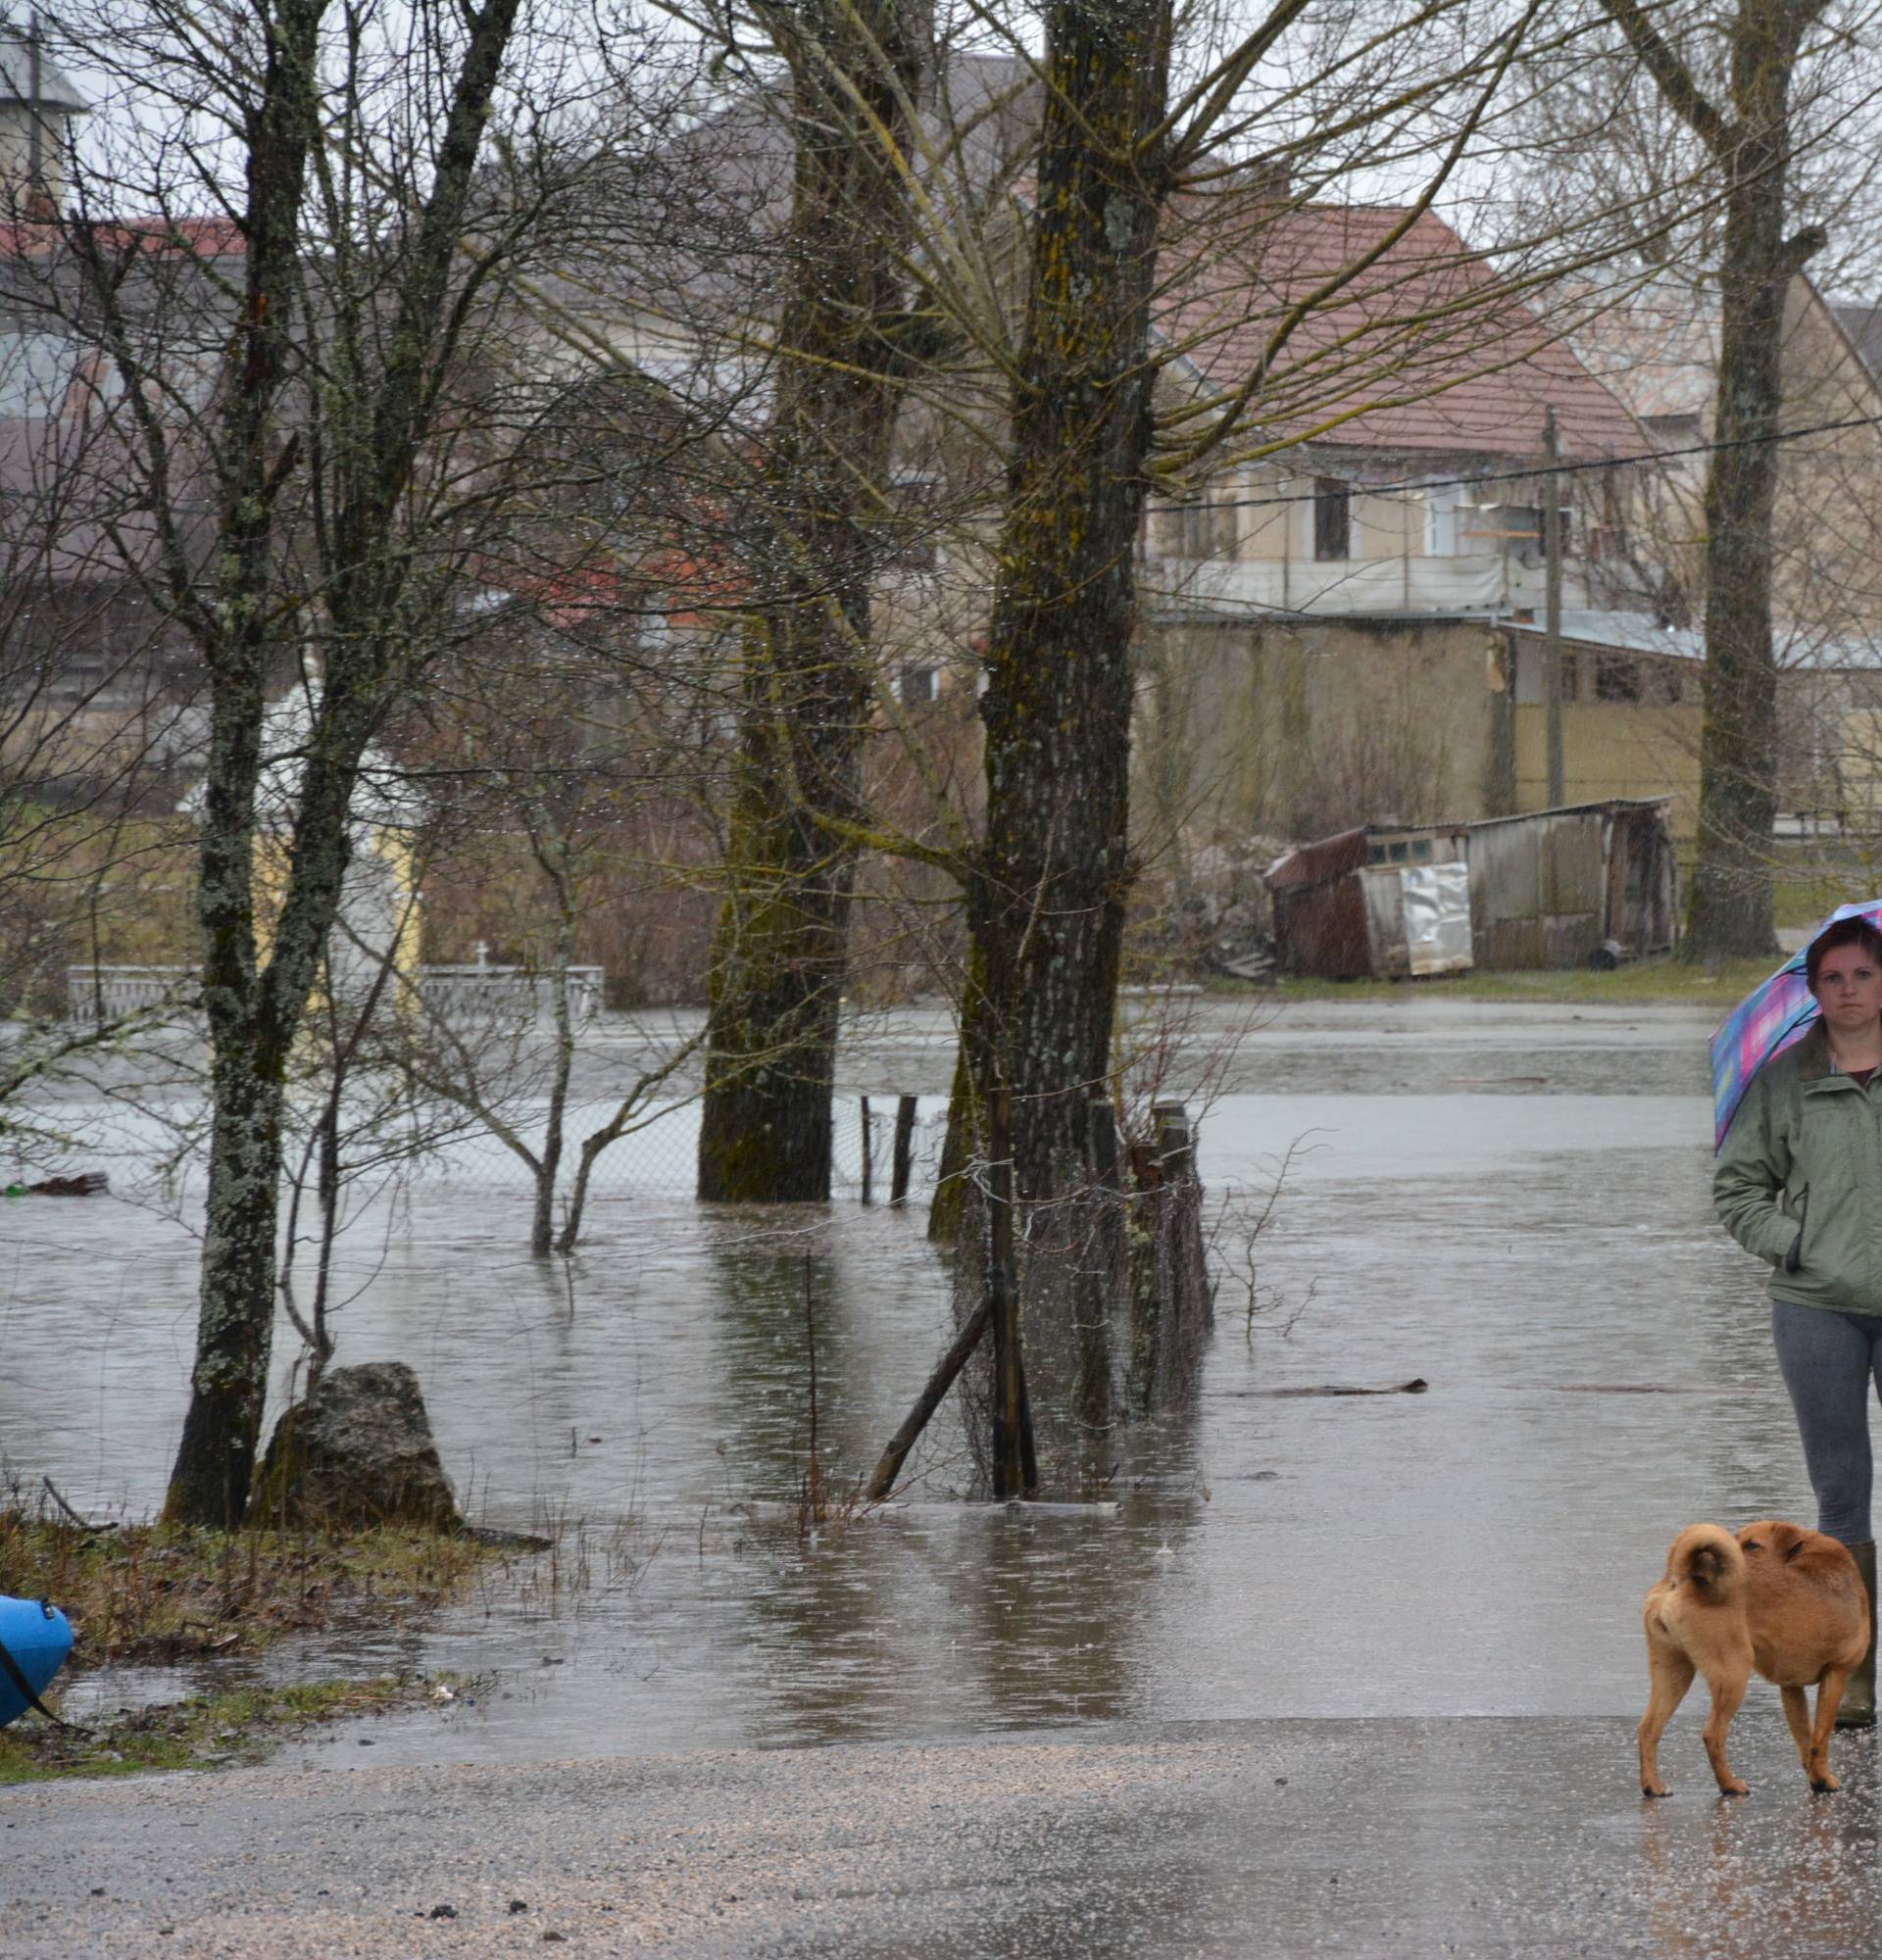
<point>780,950</point>
<point>254,1009</point>
<point>1747,133</point>
<point>1732,905</point>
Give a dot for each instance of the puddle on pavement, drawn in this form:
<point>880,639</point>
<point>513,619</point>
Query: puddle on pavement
<point>1597,1356</point>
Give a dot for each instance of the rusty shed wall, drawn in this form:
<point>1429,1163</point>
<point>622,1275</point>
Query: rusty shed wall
<point>1321,930</point>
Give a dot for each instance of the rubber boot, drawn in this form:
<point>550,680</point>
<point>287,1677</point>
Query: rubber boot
<point>1857,1708</point>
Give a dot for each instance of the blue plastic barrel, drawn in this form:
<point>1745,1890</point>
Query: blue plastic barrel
<point>38,1636</point>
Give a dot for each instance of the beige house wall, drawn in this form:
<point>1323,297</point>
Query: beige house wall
<point>1827,522</point>
<point>1292,729</point>
<point>1613,749</point>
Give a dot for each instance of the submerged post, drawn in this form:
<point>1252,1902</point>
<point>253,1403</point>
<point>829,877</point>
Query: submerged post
<point>903,1161</point>
<point>889,1466</point>
<point>868,1191</point>
<point>1015,1469</point>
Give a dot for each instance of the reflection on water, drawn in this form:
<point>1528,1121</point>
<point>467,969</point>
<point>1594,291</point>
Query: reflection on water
<point>1537,1257</point>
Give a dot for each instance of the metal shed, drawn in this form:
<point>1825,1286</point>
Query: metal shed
<point>1548,888</point>
<point>1380,900</point>
<point>1554,888</point>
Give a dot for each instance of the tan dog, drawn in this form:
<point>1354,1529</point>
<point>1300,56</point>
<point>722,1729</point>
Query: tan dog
<point>1784,1600</point>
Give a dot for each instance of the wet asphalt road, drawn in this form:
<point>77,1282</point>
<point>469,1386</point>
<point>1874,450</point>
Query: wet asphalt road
<point>1475,1835</point>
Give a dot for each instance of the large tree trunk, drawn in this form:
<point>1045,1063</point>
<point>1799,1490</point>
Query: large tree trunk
<point>216,1459</point>
<point>1046,903</point>
<point>780,955</point>
<point>1045,897</point>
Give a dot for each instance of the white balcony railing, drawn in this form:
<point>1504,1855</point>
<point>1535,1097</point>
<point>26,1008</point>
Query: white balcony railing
<point>1487,582</point>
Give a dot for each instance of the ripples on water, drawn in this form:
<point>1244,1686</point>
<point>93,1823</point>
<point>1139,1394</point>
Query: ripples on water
<point>1542,1255</point>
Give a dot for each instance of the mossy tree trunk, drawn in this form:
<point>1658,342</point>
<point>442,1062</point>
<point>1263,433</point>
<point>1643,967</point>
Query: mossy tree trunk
<point>780,952</point>
<point>1748,136</point>
<point>1046,901</point>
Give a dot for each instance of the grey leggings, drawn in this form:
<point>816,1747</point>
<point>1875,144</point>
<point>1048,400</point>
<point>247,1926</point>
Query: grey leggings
<point>1829,1360</point>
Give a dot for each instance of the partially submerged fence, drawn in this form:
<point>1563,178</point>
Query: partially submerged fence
<point>1114,1305</point>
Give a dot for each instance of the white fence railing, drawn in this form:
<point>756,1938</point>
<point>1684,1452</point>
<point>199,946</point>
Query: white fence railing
<point>1486,582</point>
<point>96,996</point>
<point>508,993</point>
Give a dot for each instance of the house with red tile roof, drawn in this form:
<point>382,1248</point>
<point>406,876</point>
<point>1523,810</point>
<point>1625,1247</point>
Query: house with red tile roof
<point>1343,603</point>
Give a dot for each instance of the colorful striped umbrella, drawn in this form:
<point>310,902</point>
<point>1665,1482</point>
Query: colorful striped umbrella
<point>1773,1016</point>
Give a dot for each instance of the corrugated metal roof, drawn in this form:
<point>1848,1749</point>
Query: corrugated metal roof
<point>1636,633</point>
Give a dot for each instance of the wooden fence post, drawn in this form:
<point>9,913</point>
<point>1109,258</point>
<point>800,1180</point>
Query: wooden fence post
<point>904,1159</point>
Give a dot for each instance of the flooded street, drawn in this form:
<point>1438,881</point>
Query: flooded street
<point>1510,1204</point>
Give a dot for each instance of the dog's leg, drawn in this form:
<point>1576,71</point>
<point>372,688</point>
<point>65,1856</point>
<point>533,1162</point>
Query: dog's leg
<point>1829,1696</point>
<point>1796,1712</point>
<point>1728,1691</point>
<point>1672,1676</point>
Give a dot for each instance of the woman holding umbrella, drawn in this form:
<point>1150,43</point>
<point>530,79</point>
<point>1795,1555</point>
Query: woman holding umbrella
<point>1799,1182</point>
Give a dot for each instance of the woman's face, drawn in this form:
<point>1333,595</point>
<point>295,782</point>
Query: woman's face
<point>1849,988</point>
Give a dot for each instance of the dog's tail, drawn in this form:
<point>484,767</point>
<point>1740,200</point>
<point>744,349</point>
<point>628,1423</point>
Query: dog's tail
<point>1707,1560</point>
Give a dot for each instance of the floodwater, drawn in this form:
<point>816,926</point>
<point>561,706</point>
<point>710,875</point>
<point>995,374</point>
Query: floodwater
<point>1510,1204</point>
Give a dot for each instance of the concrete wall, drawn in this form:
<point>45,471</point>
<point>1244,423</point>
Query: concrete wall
<point>1298,729</point>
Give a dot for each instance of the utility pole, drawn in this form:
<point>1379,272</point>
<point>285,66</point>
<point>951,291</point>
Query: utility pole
<point>1551,644</point>
<point>35,128</point>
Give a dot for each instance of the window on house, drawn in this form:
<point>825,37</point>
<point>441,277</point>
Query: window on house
<point>1667,682</point>
<point>1332,518</point>
<point>1508,527</point>
<point>918,686</point>
<point>1616,677</point>
<point>1199,530</point>
<point>1441,501</point>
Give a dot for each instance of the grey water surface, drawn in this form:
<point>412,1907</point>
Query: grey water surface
<point>1510,1203</point>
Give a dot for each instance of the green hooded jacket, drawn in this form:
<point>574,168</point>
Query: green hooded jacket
<point>1799,1180</point>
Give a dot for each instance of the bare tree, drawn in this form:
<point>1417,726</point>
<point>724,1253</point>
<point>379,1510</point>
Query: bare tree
<point>1745,124</point>
<point>307,484</point>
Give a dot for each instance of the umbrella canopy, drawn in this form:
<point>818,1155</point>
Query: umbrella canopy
<point>1774,1015</point>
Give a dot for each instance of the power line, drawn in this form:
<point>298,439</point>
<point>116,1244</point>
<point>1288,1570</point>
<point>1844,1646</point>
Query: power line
<point>1534,474</point>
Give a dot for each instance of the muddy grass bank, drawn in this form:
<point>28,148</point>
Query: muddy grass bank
<point>165,1595</point>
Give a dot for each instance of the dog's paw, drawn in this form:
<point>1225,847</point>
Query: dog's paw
<point>1733,1786</point>
<point>1655,1790</point>
<point>1823,1785</point>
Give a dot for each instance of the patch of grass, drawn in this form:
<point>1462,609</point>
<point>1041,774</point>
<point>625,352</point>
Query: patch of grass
<point>1640,983</point>
<point>210,1732</point>
<point>156,1593</point>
